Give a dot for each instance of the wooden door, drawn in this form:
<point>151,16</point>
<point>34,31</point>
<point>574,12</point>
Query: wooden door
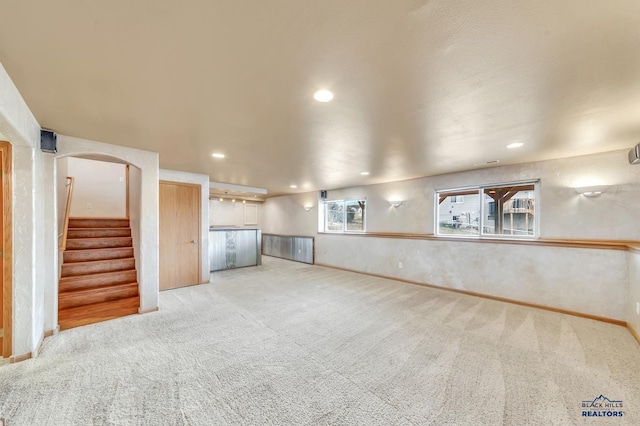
<point>6,271</point>
<point>180,243</point>
<point>1,258</point>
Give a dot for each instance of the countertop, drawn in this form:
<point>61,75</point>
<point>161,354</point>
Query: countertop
<point>233,228</point>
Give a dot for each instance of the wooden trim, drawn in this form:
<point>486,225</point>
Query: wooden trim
<point>587,244</point>
<point>19,358</point>
<point>486,296</point>
<point>7,250</point>
<point>67,211</point>
<point>633,333</point>
<point>127,190</point>
<point>101,217</point>
<point>200,237</point>
<point>147,311</point>
<point>49,333</point>
<point>171,182</point>
<point>292,236</point>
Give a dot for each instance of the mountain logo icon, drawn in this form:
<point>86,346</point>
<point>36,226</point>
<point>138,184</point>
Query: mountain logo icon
<point>599,401</point>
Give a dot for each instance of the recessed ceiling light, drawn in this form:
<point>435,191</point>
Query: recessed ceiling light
<point>217,155</point>
<point>365,173</point>
<point>515,145</point>
<point>293,186</point>
<point>323,96</point>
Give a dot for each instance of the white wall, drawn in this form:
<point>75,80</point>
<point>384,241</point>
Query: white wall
<point>135,211</point>
<point>203,181</point>
<point>99,189</point>
<point>584,280</point>
<point>227,213</point>
<point>47,275</point>
<point>633,318</point>
<point>20,128</point>
<point>146,249</point>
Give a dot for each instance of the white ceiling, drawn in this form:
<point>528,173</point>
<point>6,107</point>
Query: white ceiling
<point>421,87</point>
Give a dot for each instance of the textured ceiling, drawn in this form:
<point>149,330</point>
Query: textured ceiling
<point>421,87</point>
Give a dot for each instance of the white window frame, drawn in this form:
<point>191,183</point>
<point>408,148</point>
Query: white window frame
<point>481,225</point>
<point>322,220</point>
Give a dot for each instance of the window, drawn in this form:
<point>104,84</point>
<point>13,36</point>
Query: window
<point>505,210</point>
<point>344,216</point>
<point>458,212</point>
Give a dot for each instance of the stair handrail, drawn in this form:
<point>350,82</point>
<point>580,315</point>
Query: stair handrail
<point>65,228</point>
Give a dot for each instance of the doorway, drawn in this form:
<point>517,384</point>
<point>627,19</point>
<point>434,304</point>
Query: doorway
<point>6,262</point>
<point>180,245</point>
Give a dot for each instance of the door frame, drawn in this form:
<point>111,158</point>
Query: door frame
<point>7,251</point>
<point>199,187</point>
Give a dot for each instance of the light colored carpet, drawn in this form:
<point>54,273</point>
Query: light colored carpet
<point>288,343</point>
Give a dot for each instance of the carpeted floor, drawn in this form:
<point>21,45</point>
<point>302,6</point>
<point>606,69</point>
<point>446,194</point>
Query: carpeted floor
<point>287,343</point>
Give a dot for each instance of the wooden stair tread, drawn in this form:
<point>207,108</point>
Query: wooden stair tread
<point>98,275</point>
<point>99,217</point>
<point>98,238</point>
<point>97,280</point>
<point>97,249</point>
<point>98,242</point>
<point>75,233</point>
<point>96,262</point>
<point>91,267</point>
<point>89,296</point>
<point>72,257</point>
<point>96,312</point>
<point>98,228</point>
<point>95,222</point>
<point>97,289</point>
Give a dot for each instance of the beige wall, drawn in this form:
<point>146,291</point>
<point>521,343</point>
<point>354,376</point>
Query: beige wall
<point>99,189</point>
<point>584,280</point>
<point>286,216</point>
<point>588,281</point>
<point>564,213</point>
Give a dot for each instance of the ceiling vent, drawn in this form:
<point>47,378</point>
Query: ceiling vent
<point>48,141</point>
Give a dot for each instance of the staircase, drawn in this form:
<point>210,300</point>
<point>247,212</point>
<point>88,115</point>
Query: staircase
<point>98,280</point>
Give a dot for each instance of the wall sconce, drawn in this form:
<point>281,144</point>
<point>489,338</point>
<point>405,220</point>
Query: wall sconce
<point>592,191</point>
<point>307,208</point>
<point>396,204</point>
